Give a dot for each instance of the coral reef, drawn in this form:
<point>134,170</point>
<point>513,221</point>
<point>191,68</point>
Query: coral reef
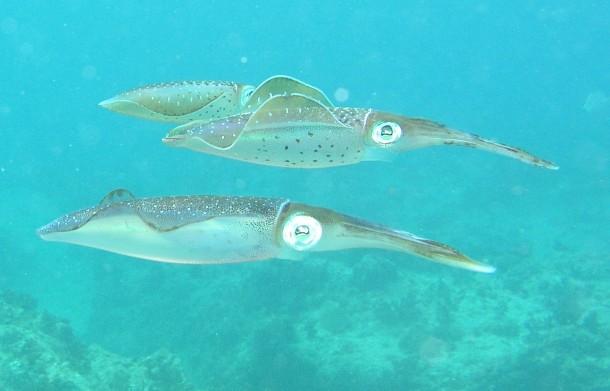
<point>366,321</point>
<point>39,352</point>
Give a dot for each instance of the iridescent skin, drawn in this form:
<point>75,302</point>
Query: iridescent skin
<point>295,131</point>
<point>213,229</point>
<point>183,102</point>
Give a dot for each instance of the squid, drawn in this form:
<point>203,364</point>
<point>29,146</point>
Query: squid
<point>226,229</point>
<point>298,131</point>
<point>206,100</point>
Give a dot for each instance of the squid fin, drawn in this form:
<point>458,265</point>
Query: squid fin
<point>117,195</point>
<point>281,110</point>
<point>284,85</point>
<point>219,134</point>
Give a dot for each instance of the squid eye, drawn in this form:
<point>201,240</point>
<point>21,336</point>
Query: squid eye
<point>246,93</point>
<point>301,232</point>
<point>386,132</point>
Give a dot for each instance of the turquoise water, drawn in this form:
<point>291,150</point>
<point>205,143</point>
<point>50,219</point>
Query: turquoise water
<point>530,74</point>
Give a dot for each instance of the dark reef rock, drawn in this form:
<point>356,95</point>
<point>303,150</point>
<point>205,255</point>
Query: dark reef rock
<point>568,358</point>
<point>40,352</point>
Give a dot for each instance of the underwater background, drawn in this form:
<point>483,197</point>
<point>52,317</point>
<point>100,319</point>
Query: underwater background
<point>534,74</point>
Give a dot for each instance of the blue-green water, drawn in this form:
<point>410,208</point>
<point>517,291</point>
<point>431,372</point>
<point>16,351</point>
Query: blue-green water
<point>531,74</point>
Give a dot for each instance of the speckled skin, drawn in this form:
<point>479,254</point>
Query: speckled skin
<point>181,102</point>
<point>293,136</point>
<point>188,229</point>
<point>170,213</point>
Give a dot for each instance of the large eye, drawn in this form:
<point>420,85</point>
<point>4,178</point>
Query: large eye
<point>386,132</point>
<point>301,232</point>
<point>246,93</point>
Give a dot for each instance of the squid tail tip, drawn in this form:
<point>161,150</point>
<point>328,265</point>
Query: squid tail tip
<point>469,264</point>
<point>483,268</point>
<point>550,166</point>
